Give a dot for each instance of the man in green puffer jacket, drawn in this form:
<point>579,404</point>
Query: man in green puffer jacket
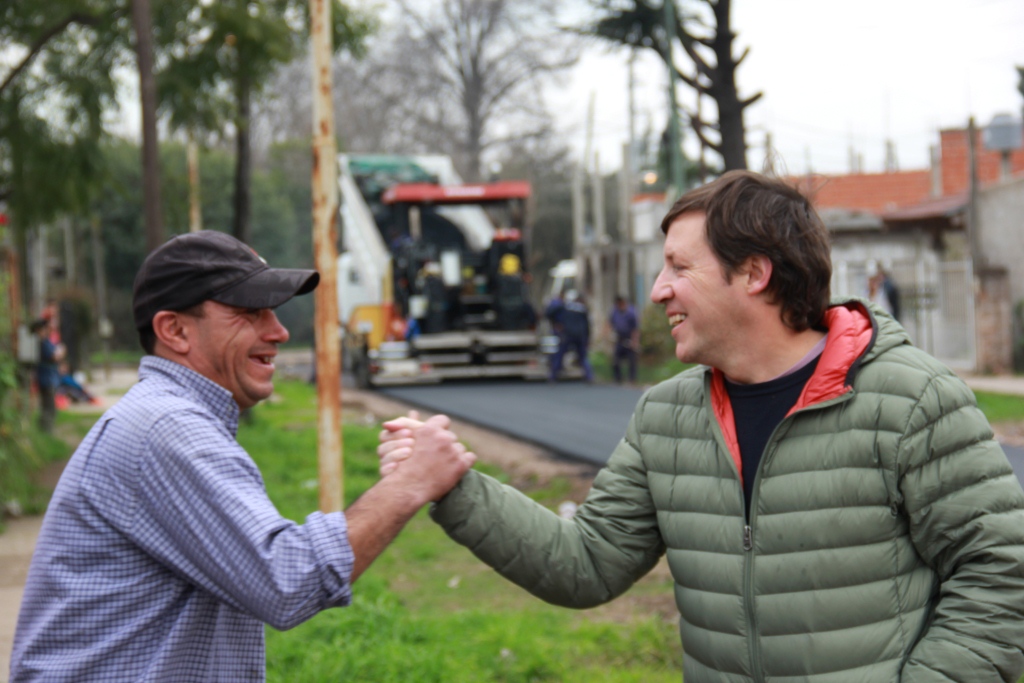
<point>831,500</point>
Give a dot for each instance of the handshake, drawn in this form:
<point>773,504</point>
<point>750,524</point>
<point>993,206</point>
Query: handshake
<point>424,452</point>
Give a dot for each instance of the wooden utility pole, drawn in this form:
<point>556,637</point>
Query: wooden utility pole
<point>70,257</point>
<point>195,207</point>
<point>103,325</point>
<point>142,23</point>
<point>972,197</point>
<point>675,136</point>
<point>325,238</point>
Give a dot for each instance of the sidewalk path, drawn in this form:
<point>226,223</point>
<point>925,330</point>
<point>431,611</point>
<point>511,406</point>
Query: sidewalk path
<point>16,545</point>
<point>1001,384</point>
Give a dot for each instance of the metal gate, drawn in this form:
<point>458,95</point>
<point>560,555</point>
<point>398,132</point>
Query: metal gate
<point>936,304</point>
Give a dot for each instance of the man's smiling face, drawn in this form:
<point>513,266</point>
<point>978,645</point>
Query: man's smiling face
<point>235,347</point>
<point>702,305</point>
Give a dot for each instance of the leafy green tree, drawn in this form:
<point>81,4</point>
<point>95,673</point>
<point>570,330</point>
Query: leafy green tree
<point>240,44</point>
<point>707,39</point>
<point>142,24</point>
<point>15,455</point>
<point>62,57</point>
<point>281,218</point>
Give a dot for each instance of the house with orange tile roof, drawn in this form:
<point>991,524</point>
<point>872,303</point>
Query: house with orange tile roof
<point>916,222</point>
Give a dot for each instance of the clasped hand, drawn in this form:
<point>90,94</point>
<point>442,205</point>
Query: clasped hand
<point>424,448</point>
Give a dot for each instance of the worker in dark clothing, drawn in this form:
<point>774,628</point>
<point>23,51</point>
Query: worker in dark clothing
<point>553,313</point>
<point>574,318</point>
<point>627,336</point>
<point>47,373</point>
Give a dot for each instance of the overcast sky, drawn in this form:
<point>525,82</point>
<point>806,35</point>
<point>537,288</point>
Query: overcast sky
<point>834,74</point>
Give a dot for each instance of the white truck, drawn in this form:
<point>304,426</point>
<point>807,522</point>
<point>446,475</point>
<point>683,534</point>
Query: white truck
<point>432,282</point>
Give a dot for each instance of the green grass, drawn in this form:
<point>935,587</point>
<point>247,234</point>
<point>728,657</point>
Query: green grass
<point>1001,407</point>
<point>119,357</point>
<point>20,474</point>
<point>427,610</point>
<point>646,374</point>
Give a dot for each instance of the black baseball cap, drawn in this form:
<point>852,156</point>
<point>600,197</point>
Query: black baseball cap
<point>212,266</point>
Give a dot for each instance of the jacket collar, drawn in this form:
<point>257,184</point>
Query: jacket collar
<point>851,333</point>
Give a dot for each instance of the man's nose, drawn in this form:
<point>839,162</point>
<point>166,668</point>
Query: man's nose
<point>660,291</point>
<point>274,331</point>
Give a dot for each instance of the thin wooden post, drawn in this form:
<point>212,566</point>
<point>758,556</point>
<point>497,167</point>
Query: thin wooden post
<point>195,207</point>
<point>325,236</point>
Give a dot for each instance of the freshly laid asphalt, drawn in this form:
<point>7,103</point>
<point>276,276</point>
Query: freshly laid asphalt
<point>573,419</point>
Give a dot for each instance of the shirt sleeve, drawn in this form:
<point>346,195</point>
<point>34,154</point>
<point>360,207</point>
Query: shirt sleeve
<point>203,512</point>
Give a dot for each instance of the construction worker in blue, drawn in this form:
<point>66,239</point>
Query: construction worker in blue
<point>624,324</point>
<point>571,320</point>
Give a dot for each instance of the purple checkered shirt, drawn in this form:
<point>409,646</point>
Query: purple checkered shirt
<point>161,556</point>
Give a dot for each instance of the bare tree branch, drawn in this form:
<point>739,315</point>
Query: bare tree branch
<point>750,100</point>
<point>698,125</point>
<point>739,60</point>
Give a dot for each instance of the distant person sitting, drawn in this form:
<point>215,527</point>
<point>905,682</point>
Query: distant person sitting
<point>71,388</point>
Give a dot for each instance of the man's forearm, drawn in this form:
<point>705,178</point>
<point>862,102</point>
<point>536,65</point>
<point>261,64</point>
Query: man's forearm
<point>375,519</point>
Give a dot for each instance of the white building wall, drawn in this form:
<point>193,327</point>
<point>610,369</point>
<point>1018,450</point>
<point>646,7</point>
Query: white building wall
<point>1001,233</point>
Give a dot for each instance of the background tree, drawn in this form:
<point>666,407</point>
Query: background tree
<point>142,25</point>
<point>1020,83</point>
<point>405,99</point>
<point>281,218</point>
<point>707,38</point>
<point>62,57</point>
<point>469,73</point>
<point>548,166</point>
<point>242,44</point>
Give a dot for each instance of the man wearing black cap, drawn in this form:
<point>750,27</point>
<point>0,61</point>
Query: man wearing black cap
<point>161,557</point>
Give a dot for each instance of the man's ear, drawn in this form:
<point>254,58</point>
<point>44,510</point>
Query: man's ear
<point>171,332</point>
<point>758,270</point>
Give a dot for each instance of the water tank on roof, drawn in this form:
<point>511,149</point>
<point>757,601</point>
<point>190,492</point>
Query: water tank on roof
<point>1003,134</point>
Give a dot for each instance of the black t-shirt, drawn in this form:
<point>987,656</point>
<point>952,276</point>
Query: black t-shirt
<point>758,409</point>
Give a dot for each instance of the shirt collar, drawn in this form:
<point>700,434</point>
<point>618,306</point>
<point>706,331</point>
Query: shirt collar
<point>203,390</point>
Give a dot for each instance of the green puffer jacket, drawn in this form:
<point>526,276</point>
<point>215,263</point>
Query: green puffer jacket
<point>886,538</point>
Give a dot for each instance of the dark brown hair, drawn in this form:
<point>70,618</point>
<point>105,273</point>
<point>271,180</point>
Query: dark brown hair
<point>746,215</point>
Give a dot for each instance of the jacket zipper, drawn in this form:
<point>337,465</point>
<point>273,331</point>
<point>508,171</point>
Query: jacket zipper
<point>754,640</point>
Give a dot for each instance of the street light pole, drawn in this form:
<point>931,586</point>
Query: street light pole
<point>674,153</point>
